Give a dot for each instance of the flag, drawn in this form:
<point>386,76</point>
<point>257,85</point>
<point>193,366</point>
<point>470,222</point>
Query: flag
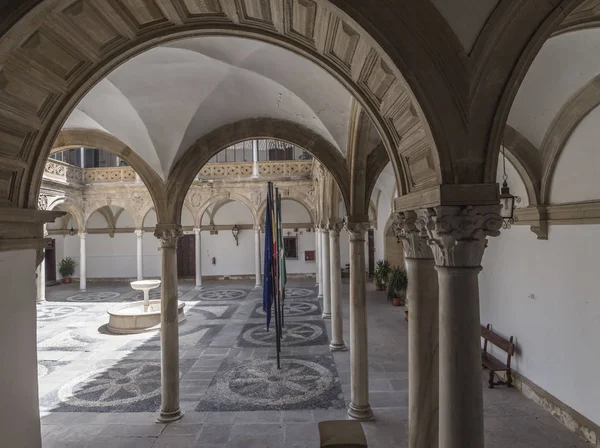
<point>282,269</point>
<point>268,266</point>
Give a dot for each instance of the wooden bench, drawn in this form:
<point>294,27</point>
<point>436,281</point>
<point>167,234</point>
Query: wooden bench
<point>491,363</point>
<point>342,434</point>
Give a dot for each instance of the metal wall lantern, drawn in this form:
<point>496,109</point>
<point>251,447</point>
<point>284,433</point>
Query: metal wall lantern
<point>72,231</point>
<point>507,200</point>
<point>236,232</point>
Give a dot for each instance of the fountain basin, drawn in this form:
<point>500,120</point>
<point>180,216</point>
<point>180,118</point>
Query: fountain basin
<point>133,318</point>
<point>142,285</point>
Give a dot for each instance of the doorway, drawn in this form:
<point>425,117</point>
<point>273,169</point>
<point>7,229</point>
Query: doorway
<point>186,258</point>
<point>50,259</point>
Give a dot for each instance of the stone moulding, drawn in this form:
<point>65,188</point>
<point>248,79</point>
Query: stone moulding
<point>573,213</point>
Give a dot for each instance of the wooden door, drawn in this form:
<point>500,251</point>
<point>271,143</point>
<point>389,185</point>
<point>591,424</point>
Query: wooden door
<point>186,259</point>
<point>50,260</point>
<point>371,252</point>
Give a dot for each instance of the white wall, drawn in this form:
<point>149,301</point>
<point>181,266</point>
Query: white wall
<point>19,411</point>
<point>556,332</point>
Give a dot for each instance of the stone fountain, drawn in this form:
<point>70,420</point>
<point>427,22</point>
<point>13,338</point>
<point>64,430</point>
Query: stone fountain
<point>138,317</point>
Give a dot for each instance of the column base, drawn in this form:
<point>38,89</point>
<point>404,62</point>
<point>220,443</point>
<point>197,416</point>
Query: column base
<point>360,412</point>
<point>338,347</point>
<point>320,297</point>
<point>41,300</point>
<point>326,315</point>
<point>170,417</point>
<point>257,287</point>
<point>199,288</point>
<point>82,290</point>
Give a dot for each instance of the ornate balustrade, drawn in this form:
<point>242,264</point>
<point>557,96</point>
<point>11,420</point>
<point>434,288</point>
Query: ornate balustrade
<point>112,174</point>
<point>240,170</point>
<point>63,172</point>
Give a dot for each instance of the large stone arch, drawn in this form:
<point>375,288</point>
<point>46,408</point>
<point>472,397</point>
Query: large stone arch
<point>69,206</point>
<point>185,170</point>
<point>504,52</point>
<point>225,197</point>
<point>92,138</point>
<point>404,78</point>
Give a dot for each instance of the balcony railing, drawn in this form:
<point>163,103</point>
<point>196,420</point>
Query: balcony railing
<point>63,172</point>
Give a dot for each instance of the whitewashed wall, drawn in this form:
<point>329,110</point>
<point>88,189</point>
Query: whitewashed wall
<point>545,294</point>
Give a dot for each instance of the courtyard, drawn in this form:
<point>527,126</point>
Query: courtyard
<point>97,389</point>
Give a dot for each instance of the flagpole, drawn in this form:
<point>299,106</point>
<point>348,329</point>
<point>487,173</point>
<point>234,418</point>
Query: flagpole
<point>275,280</point>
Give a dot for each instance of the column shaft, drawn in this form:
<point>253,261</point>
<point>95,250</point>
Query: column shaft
<point>258,283</point>
<point>140,254</point>
<point>169,332</point>
<point>326,275</point>
<point>461,397</point>
<point>255,158</point>
<point>359,408</point>
<point>423,355</point>
<point>337,323</point>
<point>319,264</point>
<point>198,254</point>
<point>82,262</point>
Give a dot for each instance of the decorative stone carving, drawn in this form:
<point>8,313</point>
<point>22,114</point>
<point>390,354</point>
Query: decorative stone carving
<point>168,234</point>
<point>43,202</point>
<point>458,235</point>
<point>407,226</point>
<point>39,257</point>
<point>335,226</point>
<point>357,230</point>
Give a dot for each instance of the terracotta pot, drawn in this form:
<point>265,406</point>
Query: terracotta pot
<point>67,280</point>
<point>397,301</point>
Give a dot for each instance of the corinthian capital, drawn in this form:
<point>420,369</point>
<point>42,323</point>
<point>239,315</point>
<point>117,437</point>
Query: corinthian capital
<point>407,226</point>
<point>335,226</point>
<point>458,235</point>
<point>356,230</point>
<point>168,234</point>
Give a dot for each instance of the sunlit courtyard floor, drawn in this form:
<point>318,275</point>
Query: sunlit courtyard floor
<point>102,390</point>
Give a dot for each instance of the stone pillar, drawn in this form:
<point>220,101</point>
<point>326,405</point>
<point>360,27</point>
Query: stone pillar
<point>41,277</point>
<point>169,332</point>
<point>458,237</point>
<point>140,254</point>
<point>423,341</point>
<point>198,253</point>
<point>325,273</point>
<point>255,171</point>
<point>82,262</point>
<point>335,273</point>
<point>257,260</point>
<point>359,408</point>
<point>82,157</point>
<point>319,264</point>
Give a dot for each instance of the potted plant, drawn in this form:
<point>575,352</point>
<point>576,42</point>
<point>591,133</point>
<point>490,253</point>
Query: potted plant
<point>397,284</point>
<point>381,273</point>
<point>66,268</point>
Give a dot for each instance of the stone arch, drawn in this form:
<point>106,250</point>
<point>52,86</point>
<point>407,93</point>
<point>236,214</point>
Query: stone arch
<point>71,207</point>
<point>144,215</point>
<point>263,207</point>
<point>185,170</point>
<point>505,51</point>
<point>378,51</point>
<point>93,138</point>
<point>393,250</point>
<point>568,118</point>
<point>225,197</point>
<point>526,159</point>
<point>97,205</point>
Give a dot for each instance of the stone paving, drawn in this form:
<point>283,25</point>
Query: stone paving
<point>103,390</point>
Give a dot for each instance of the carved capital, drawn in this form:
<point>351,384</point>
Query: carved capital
<point>356,230</point>
<point>139,233</point>
<point>257,228</point>
<point>39,257</point>
<point>407,226</point>
<point>82,235</point>
<point>458,235</point>
<point>335,227</point>
<point>168,234</point>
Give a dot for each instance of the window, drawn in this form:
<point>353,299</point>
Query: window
<point>290,247</point>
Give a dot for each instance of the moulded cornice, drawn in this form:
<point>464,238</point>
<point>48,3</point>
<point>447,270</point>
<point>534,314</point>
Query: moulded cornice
<point>450,195</point>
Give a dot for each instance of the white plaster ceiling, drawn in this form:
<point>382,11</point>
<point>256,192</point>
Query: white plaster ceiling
<point>466,17</point>
<point>160,102</point>
<point>564,65</point>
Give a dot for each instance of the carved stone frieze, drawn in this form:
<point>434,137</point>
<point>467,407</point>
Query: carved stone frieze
<point>407,226</point>
<point>458,235</point>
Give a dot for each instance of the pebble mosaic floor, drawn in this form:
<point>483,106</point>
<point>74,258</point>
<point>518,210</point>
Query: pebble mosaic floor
<point>101,390</point>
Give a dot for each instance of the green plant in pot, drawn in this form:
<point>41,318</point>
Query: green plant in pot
<point>66,268</point>
<point>381,273</point>
<point>397,284</point>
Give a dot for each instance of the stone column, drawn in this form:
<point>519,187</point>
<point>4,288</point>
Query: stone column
<point>257,260</point>
<point>458,237</point>
<point>140,254</point>
<point>423,341</point>
<point>169,332</point>
<point>337,323</point>
<point>82,262</point>
<point>359,408</point>
<point>82,157</point>
<point>319,264</point>
<point>325,273</point>
<point>41,277</point>
<point>255,172</point>
<point>198,253</point>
